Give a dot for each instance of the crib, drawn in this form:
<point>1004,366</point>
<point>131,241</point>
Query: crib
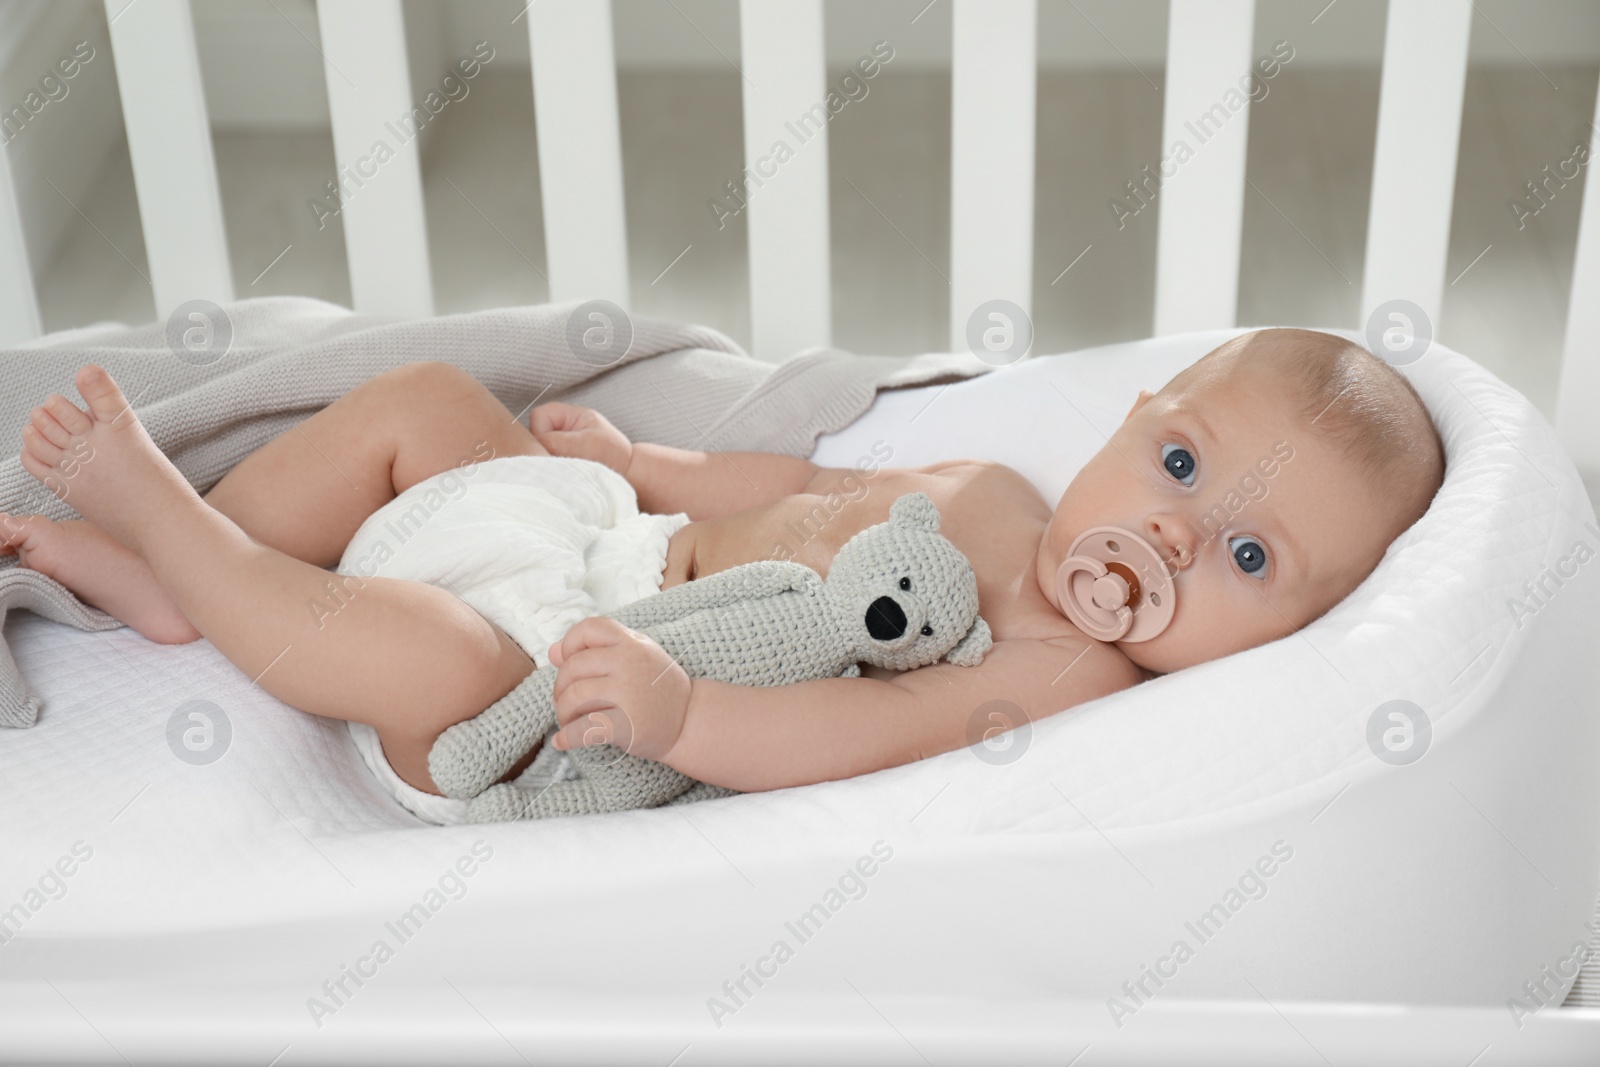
<point>1320,998</point>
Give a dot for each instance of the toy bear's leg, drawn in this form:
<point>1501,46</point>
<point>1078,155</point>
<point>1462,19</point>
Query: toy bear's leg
<point>472,755</point>
<point>611,780</point>
<point>626,781</point>
<point>508,803</point>
<point>703,791</point>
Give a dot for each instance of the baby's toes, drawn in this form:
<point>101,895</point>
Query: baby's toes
<point>29,537</point>
<point>46,473</point>
<point>68,414</point>
<point>101,392</point>
<point>36,446</point>
<point>50,427</point>
<point>14,530</point>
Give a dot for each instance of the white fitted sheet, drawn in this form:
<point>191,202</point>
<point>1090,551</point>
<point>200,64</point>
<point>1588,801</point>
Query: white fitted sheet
<point>289,826</point>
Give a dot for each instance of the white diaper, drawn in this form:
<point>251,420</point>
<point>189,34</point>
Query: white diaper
<point>534,543</point>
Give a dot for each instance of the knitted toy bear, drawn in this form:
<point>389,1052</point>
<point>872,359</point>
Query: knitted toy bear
<point>898,595</point>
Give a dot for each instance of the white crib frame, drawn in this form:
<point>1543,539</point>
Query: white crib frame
<point>993,76</point>
<point>991,234</point>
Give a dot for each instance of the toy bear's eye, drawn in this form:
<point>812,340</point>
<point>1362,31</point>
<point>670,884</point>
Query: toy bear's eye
<point>905,583</point>
<point>927,631</point>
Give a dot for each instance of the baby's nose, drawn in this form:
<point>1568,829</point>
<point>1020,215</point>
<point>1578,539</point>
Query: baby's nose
<point>1173,538</point>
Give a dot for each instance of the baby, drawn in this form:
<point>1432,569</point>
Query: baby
<point>1341,439</point>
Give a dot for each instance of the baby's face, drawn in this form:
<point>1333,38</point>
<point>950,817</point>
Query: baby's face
<point>1264,526</point>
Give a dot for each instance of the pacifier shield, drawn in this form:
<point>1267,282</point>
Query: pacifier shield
<point>1115,587</point>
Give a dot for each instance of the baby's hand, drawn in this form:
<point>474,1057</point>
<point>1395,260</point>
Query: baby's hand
<point>568,430</point>
<point>615,686</point>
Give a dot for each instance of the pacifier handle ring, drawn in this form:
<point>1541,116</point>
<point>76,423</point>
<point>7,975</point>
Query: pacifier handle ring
<point>1079,616</point>
<point>1150,599</point>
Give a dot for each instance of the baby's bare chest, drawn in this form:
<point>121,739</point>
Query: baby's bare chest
<point>996,528</point>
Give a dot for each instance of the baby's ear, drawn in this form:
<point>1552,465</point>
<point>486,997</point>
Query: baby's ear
<point>914,509</point>
<point>1145,396</point>
<point>969,652</point>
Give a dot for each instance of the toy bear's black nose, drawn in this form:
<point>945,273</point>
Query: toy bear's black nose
<point>885,619</point>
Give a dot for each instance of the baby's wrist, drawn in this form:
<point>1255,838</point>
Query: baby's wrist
<point>679,747</point>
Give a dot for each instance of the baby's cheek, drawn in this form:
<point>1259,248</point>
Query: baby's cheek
<point>1197,633</point>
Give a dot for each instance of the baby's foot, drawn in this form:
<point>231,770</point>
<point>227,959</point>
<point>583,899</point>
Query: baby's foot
<point>103,462</point>
<point>99,571</point>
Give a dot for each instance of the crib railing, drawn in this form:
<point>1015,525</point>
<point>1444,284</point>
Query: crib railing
<point>994,63</point>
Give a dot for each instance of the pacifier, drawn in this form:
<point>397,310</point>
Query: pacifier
<point>1115,587</point>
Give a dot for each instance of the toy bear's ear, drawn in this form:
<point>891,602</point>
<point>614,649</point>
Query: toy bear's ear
<point>915,509</point>
<point>969,652</point>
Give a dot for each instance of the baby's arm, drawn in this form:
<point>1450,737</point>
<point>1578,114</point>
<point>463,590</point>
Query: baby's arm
<point>759,738</point>
<point>710,484</point>
<point>754,739</point>
<point>667,480</point>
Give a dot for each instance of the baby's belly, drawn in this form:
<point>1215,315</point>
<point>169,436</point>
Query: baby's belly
<point>805,528</point>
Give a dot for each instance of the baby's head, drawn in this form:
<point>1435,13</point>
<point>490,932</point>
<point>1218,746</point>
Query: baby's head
<point>1272,475</point>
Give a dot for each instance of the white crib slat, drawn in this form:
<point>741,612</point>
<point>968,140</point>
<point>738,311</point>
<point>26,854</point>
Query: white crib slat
<point>781,53</point>
<point>993,79</point>
<point>1414,164</point>
<point>580,149</point>
<point>169,145</point>
<point>1202,202</point>
<point>19,307</point>
<point>369,95</point>
<point>1579,395</point>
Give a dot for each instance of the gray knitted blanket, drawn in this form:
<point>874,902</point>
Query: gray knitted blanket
<point>289,357</point>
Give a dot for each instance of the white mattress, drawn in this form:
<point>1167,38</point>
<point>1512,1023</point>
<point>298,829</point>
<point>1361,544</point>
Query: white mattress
<point>288,833</point>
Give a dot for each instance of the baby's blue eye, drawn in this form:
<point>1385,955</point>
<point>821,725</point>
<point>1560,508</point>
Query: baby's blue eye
<point>1249,555</point>
<point>1178,462</point>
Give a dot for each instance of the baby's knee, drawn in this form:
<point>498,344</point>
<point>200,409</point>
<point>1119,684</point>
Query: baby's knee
<point>485,671</point>
<point>433,373</point>
<point>428,381</point>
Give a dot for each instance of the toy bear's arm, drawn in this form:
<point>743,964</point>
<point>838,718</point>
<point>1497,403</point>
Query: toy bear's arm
<point>749,581</point>
<point>471,755</point>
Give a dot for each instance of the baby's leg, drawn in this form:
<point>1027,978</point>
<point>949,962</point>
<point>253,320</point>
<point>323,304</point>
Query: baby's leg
<point>407,658</point>
<point>99,570</point>
<point>304,493</point>
<point>307,491</point>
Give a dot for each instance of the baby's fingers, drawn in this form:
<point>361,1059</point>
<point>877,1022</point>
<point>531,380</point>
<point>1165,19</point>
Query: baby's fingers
<point>581,697</point>
<point>554,417</point>
<point>575,735</point>
<point>597,723</point>
<point>595,632</point>
<point>589,663</point>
